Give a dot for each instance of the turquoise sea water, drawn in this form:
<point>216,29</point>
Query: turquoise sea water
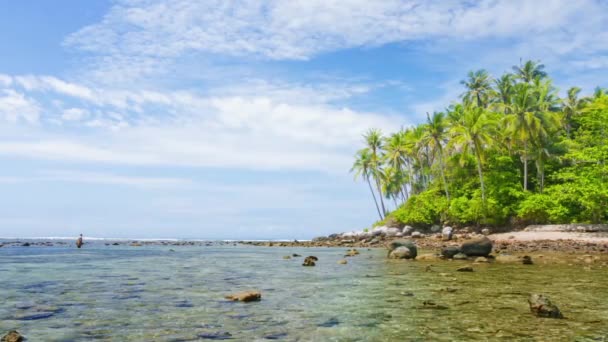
<point>150,293</point>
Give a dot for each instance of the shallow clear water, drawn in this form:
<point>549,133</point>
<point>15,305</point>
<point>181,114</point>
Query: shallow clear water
<point>123,293</point>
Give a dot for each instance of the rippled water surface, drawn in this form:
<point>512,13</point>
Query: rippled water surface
<point>123,293</point>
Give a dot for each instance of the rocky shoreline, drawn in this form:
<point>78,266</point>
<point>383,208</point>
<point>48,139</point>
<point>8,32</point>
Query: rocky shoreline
<point>438,238</point>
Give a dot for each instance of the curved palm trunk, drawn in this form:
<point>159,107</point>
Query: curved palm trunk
<point>525,166</point>
<point>380,195</point>
<point>540,169</point>
<point>374,195</point>
<point>441,167</point>
<point>483,188</point>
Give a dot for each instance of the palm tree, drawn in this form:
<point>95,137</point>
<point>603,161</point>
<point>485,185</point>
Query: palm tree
<point>415,158</point>
<point>571,107</point>
<point>396,155</point>
<point>363,168</point>
<point>599,92</point>
<point>374,141</point>
<point>529,71</point>
<point>435,134</point>
<point>503,91</point>
<point>479,88</point>
<point>521,123</point>
<point>474,133</point>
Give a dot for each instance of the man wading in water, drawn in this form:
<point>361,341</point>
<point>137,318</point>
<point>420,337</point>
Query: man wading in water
<point>79,241</point>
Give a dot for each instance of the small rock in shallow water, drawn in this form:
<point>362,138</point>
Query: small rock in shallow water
<point>247,296</point>
<point>332,322</point>
<point>12,336</point>
<point>32,316</point>
<point>429,304</point>
<point>296,255</point>
<point>450,251</point>
<point>407,294</point>
<point>460,256</point>
<point>287,257</point>
<point>541,306</point>
<point>477,247</point>
<point>481,260</point>
<point>310,260</point>
<point>465,269</point>
<point>342,262</point>
<point>222,335</point>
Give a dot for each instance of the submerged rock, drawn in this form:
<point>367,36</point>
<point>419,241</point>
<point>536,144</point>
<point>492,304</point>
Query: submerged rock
<point>464,269</point>
<point>342,262</point>
<point>541,306</point>
<point>221,335</point>
<point>477,247</point>
<point>506,258</point>
<point>12,336</point>
<point>402,249</point>
<point>247,296</point>
<point>429,304</point>
<point>287,257</point>
<point>310,260</point>
<point>351,252</point>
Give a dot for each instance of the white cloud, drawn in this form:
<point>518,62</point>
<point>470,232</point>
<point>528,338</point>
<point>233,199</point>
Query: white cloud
<point>15,106</point>
<point>113,179</point>
<point>301,29</point>
<point>74,114</point>
<point>5,80</point>
<point>235,132</point>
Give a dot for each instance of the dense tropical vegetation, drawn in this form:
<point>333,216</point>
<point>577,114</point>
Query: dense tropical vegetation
<point>510,152</point>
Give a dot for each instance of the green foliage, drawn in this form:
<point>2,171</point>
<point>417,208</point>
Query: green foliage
<point>511,152</point>
<point>423,209</point>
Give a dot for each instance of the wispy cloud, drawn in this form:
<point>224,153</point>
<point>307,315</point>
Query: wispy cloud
<point>146,35</point>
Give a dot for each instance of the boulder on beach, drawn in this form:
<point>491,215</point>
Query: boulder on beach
<point>310,260</point>
<point>450,251</point>
<point>407,230</point>
<point>446,233</point>
<point>247,296</point>
<point>13,336</point>
<point>402,249</point>
<point>477,247</point>
<point>541,306</point>
<point>416,235</point>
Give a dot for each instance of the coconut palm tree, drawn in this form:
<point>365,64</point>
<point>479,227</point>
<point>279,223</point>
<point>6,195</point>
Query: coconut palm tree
<point>529,71</point>
<point>571,107</point>
<point>474,133</point>
<point>503,92</point>
<point>435,135</point>
<point>479,88</point>
<point>373,139</point>
<point>363,168</point>
<point>521,123</point>
<point>395,155</point>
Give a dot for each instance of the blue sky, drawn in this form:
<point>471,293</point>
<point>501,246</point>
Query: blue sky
<point>239,119</point>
